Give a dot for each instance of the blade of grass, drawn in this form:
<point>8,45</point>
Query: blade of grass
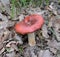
<point>40,2</point>
<point>47,2</point>
<point>59,1</point>
<point>13,9</point>
<point>20,49</point>
<point>23,2</point>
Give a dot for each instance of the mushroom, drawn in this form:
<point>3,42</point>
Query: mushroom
<point>29,25</point>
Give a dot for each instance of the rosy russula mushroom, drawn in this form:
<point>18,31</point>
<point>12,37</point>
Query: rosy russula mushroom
<point>29,25</point>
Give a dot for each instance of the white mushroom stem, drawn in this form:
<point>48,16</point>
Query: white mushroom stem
<point>31,39</point>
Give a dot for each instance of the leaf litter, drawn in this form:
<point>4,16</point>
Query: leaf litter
<point>47,38</point>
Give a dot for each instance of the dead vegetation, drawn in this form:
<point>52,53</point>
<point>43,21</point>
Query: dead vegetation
<point>13,44</point>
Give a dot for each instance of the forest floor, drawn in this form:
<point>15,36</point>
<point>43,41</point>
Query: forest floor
<point>13,44</point>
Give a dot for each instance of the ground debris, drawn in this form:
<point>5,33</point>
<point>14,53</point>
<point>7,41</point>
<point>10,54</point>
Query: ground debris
<point>13,44</point>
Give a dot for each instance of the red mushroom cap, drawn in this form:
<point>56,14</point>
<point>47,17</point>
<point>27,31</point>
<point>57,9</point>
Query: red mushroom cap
<point>29,24</point>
